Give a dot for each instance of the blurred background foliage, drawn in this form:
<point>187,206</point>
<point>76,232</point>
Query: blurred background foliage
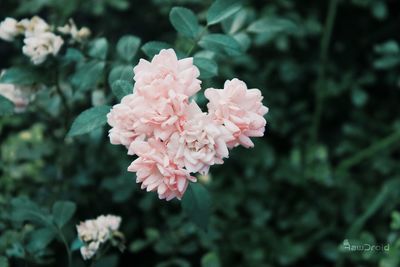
<point>326,170</point>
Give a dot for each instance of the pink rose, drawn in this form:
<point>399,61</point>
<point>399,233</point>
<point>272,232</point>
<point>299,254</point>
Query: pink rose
<point>166,73</point>
<point>157,171</point>
<point>201,143</point>
<point>239,109</point>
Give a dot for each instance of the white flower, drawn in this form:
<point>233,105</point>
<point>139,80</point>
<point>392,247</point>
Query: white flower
<point>201,143</point>
<point>76,35</point>
<point>39,46</point>
<point>20,96</point>
<point>96,232</point>
<point>34,26</point>
<point>89,251</point>
<point>9,29</point>
<point>110,222</point>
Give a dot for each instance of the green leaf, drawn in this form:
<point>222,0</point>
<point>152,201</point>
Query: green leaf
<point>236,22</point>
<point>21,76</point>
<point>72,55</point>
<point>23,209</point>
<point>127,47</point>
<point>184,21</point>
<point>88,74</point>
<point>222,9</point>
<point>208,67</point>
<point>63,212</point>
<point>243,39</point>
<point>122,72</point>
<point>138,245</point>
<point>98,48</point>
<point>196,203</point>
<point>221,43</point>
<point>119,4</point>
<point>6,106</point>
<point>4,262</point>
<point>121,88</point>
<point>210,260</point>
<point>89,120</point>
<point>40,239</point>
<point>272,26</point>
<point>359,97</point>
<point>390,47</point>
<point>386,62</point>
<point>76,244</point>
<point>152,48</point>
<point>108,261</point>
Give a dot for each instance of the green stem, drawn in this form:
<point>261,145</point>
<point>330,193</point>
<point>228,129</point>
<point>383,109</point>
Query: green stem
<point>196,41</point>
<point>320,86</point>
<point>63,98</point>
<point>388,142</point>
<point>66,247</point>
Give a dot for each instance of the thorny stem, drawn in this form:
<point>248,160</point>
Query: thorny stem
<point>320,86</point>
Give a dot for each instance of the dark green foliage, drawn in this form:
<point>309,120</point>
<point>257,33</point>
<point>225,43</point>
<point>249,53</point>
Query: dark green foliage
<point>327,170</point>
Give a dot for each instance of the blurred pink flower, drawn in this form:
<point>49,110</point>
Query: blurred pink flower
<point>166,73</point>
<point>239,109</point>
<point>20,96</point>
<point>156,170</point>
<point>201,143</point>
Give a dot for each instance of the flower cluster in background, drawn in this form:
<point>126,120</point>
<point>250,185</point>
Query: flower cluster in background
<point>170,134</point>
<point>95,233</point>
<point>19,95</point>
<point>39,39</point>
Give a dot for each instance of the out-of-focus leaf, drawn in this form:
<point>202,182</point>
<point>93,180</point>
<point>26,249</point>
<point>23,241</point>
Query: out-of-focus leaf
<point>222,9</point>
<point>196,203</point>
<point>272,26</point>
<point>208,67</point>
<point>152,48</point>
<point>6,106</point>
<point>127,47</point>
<point>122,72</point>
<point>98,48</point>
<point>40,239</point>
<point>388,48</point>
<point>22,209</point>
<point>88,75</point>
<point>121,88</point>
<point>235,23</point>
<point>210,260</point>
<point>89,120</point>
<point>379,10</point>
<point>221,43</point>
<point>72,55</point>
<point>359,97</point>
<point>184,21</point>
<point>63,212</point>
<point>76,244</point>
<point>4,262</point>
<point>21,76</point>
<point>119,4</point>
<point>107,261</point>
<point>243,39</point>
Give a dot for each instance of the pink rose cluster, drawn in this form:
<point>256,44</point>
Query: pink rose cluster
<point>169,133</point>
